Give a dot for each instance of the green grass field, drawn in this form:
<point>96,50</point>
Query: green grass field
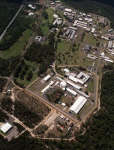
<point>90,39</point>
<point>50,15</point>
<point>17,48</point>
<point>45,29</point>
<point>67,54</point>
<point>90,87</point>
<point>63,46</point>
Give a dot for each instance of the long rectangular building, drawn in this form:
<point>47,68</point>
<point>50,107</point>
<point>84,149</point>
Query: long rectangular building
<point>46,78</point>
<point>71,91</point>
<point>79,103</point>
<point>73,85</point>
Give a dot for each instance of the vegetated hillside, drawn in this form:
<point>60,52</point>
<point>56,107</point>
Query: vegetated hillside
<point>99,134</point>
<point>100,7</point>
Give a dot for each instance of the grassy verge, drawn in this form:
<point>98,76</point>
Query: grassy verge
<point>90,86</point>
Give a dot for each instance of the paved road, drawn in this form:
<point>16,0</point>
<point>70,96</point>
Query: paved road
<point>13,19</point>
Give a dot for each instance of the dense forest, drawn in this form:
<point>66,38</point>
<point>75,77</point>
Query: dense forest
<point>7,11</point>
<point>42,54</point>
<point>99,129</point>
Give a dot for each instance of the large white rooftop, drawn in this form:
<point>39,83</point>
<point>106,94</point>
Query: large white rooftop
<point>79,103</point>
<point>68,10</point>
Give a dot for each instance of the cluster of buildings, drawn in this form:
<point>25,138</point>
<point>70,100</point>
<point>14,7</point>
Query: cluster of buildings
<point>88,22</point>
<point>79,19</point>
<point>72,85</point>
<point>32,8</point>
<point>106,58</point>
<point>62,122</point>
<point>70,33</point>
<point>57,21</point>
<point>69,14</point>
<point>102,56</point>
<point>75,19</point>
<point>81,24</point>
<point>109,35</point>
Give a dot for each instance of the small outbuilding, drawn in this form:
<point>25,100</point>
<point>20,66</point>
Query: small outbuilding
<point>5,127</point>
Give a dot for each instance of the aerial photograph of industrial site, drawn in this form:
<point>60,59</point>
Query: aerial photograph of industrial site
<point>56,75</point>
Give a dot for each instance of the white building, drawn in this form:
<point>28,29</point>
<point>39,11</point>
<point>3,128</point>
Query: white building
<point>68,10</point>
<point>79,103</point>
<point>47,87</point>
<point>110,44</point>
<point>31,6</point>
<point>107,59</point>
<point>83,76</point>
<point>63,85</point>
<point>91,56</point>
<point>5,127</point>
<point>58,21</point>
<point>38,38</point>
<point>73,85</point>
<point>30,14</point>
<point>71,91</point>
<point>105,37</point>
<point>93,30</point>
<point>55,16</point>
<point>81,24</point>
<point>66,70</point>
<point>76,79</point>
<point>46,78</point>
<point>88,19</point>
